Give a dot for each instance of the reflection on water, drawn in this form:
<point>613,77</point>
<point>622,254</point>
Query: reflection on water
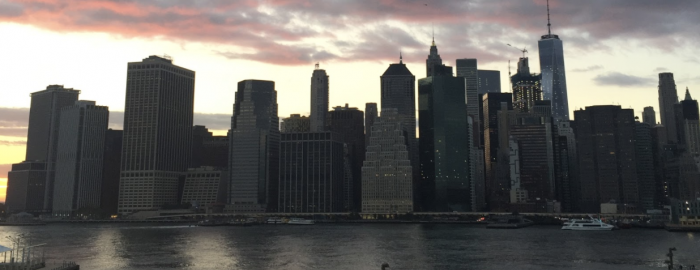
<point>354,246</point>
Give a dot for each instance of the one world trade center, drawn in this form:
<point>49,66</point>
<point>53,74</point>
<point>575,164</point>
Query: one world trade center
<point>553,73</point>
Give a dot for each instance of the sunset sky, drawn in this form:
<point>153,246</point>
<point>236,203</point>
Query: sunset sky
<point>614,49</point>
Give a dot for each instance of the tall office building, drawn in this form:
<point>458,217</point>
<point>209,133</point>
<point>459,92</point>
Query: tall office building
<point>254,148</point>
<point>445,166</point>
<point>80,156</point>
<point>649,116</point>
<point>208,150</point>
<point>371,115</point>
<point>492,104</point>
<point>311,183</point>
<point>488,81</point>
<point>668,97</point>
<point>296,123</point>
<point>319,99</point>
<point>527,88</point>
<point>689,125</point>
<point>398,91</point>
<point>553,72</point>
<point>387,182</point>
<point>157,133</point>
<point>432,60</point>
<point>658,138</point>
<point>605,137</point>
<point>533,135</point>
<point>109,197</point>
<point>644,157</point>
<point>565,166</point>
<point>467,69</point>
<point>348,123</point>
<point>42,136</point>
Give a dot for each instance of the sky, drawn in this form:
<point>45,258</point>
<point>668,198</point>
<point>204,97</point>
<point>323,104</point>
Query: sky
<point>614,50</point>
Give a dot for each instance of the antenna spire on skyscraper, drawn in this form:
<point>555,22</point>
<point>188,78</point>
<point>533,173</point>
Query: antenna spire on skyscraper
<point>549,24</point>
<point>400,58</point>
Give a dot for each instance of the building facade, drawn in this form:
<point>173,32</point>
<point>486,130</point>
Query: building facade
<point>554,75</point>
<point>109,197</point>
<point>605,138</point>
<point>319,99</point>
<point>208,150</point>
<point>348,123</point>
<point>204,186</point>
<point>467,69</point>
<point>488,81</point>
<point>527,88</point>
<point>432,60</point>
<point>371,116</point>
<point>254,148</point>
<point>296,123</point>
<point>644,158</point>
<point>311,173</point>
<point>387,184</point>
<point>26,184</point>
<point>668,98</point>
<point>445,144</point>
<point>80,158</point>
<point>157,133</point>
<point>649,116</point>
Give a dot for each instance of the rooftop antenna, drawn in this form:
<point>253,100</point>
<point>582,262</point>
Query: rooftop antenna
<point>400,58</point>
<point>549,24</point>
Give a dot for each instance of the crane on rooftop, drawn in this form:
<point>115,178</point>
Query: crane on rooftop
<point>524,50</point>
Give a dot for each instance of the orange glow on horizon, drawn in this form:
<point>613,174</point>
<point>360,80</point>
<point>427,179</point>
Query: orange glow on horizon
<point>3,189</point>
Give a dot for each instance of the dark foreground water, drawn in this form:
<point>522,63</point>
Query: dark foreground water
<point>355,246</point>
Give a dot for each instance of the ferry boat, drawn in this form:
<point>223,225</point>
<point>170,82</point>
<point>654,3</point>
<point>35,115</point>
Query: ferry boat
<point>514,221</point>
<point>592,224</point>
<point>300,221</point>
<point>274,220</point>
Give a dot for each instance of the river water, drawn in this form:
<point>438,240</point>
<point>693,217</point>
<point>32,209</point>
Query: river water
<point>355,246</point>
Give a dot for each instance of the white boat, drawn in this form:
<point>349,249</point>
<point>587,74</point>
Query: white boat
<point>592,224</point>
<point>274,220</point>
<point>300,221</point>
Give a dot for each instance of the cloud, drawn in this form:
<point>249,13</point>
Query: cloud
<point>13,121</point>
<point>210,120</point>
<point>660,69</point>
<point>587,69</point>
<point>299,32</point>
<point>623,80</point>
<point>12,143</point>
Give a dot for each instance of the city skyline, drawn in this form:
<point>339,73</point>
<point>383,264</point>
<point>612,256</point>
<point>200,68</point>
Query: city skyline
<point>82,48</point>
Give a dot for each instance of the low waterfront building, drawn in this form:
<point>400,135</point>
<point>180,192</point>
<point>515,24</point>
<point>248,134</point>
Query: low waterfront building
<point>25,187</point>
<point>204,186</point>
<point>685,212</point>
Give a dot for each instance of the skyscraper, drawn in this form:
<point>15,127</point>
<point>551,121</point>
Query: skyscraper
<point>348,123</point>
<point>565,166</point>
<point>398,91</point>
<point>319,99</point>
<point>489,81</point>
<point>80,156</point>
<point>533,135</point>
<point>606,155</point>
<point>311,183</point>
<point>157,133</point>
<point>387,182</point>
<point>689,124</point>
<point>553,72</point>
<point>109,198</point>
<point>433,60</point>
<point>42,136</point>
<point>527,88</point>
<point>493,103</point>
<point>644,157</point>
<point>254,148</point>
<point>445,144</point>
<point>668,97</point>
<point>649,116</point>
<point>467,69</point>
<point>371,115</point>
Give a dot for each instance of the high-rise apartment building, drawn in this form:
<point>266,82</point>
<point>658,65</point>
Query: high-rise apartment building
<point>668,98</point>
<point>296,123</point>
<point>79,158</point>
<point>387,182</point>
<point>348,123</point>
<point>311,183</point>
<point>553,73</point>
<point>488,81</point>
<point>319,99</point>
<point>649,116</point>
<point>445,144</point>
<point>527,88</point>
<point>254,148</point>
<point>605,137</point>
<point>42,135</point>
<point>157,133</point>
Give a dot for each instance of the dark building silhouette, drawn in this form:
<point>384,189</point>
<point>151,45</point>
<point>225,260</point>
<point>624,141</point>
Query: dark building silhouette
<point>649,116</point>
<point>488,81</point>
<point>533,135</point>
<point>208,150</point>
<point>467,69</point>
<point>432,60</point>
<point>527,87</point>
<point>319,99</point>
<point>668,98</point>
<point>644,158</point>
<point>492,103</point>
<point>444,145</point>
<point>26,185</point>
<point>565,165</point>
<point>348,123</point>
<point>551,51</point>
<point>109,197</point>
<point>295,123</point>
<point>311,173</point>
<point>79,158</point>
<point>371,115</point>
<point>688,124</point>
<point>157,134</point>
<point>605,138</point>
<point>254,148</point>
